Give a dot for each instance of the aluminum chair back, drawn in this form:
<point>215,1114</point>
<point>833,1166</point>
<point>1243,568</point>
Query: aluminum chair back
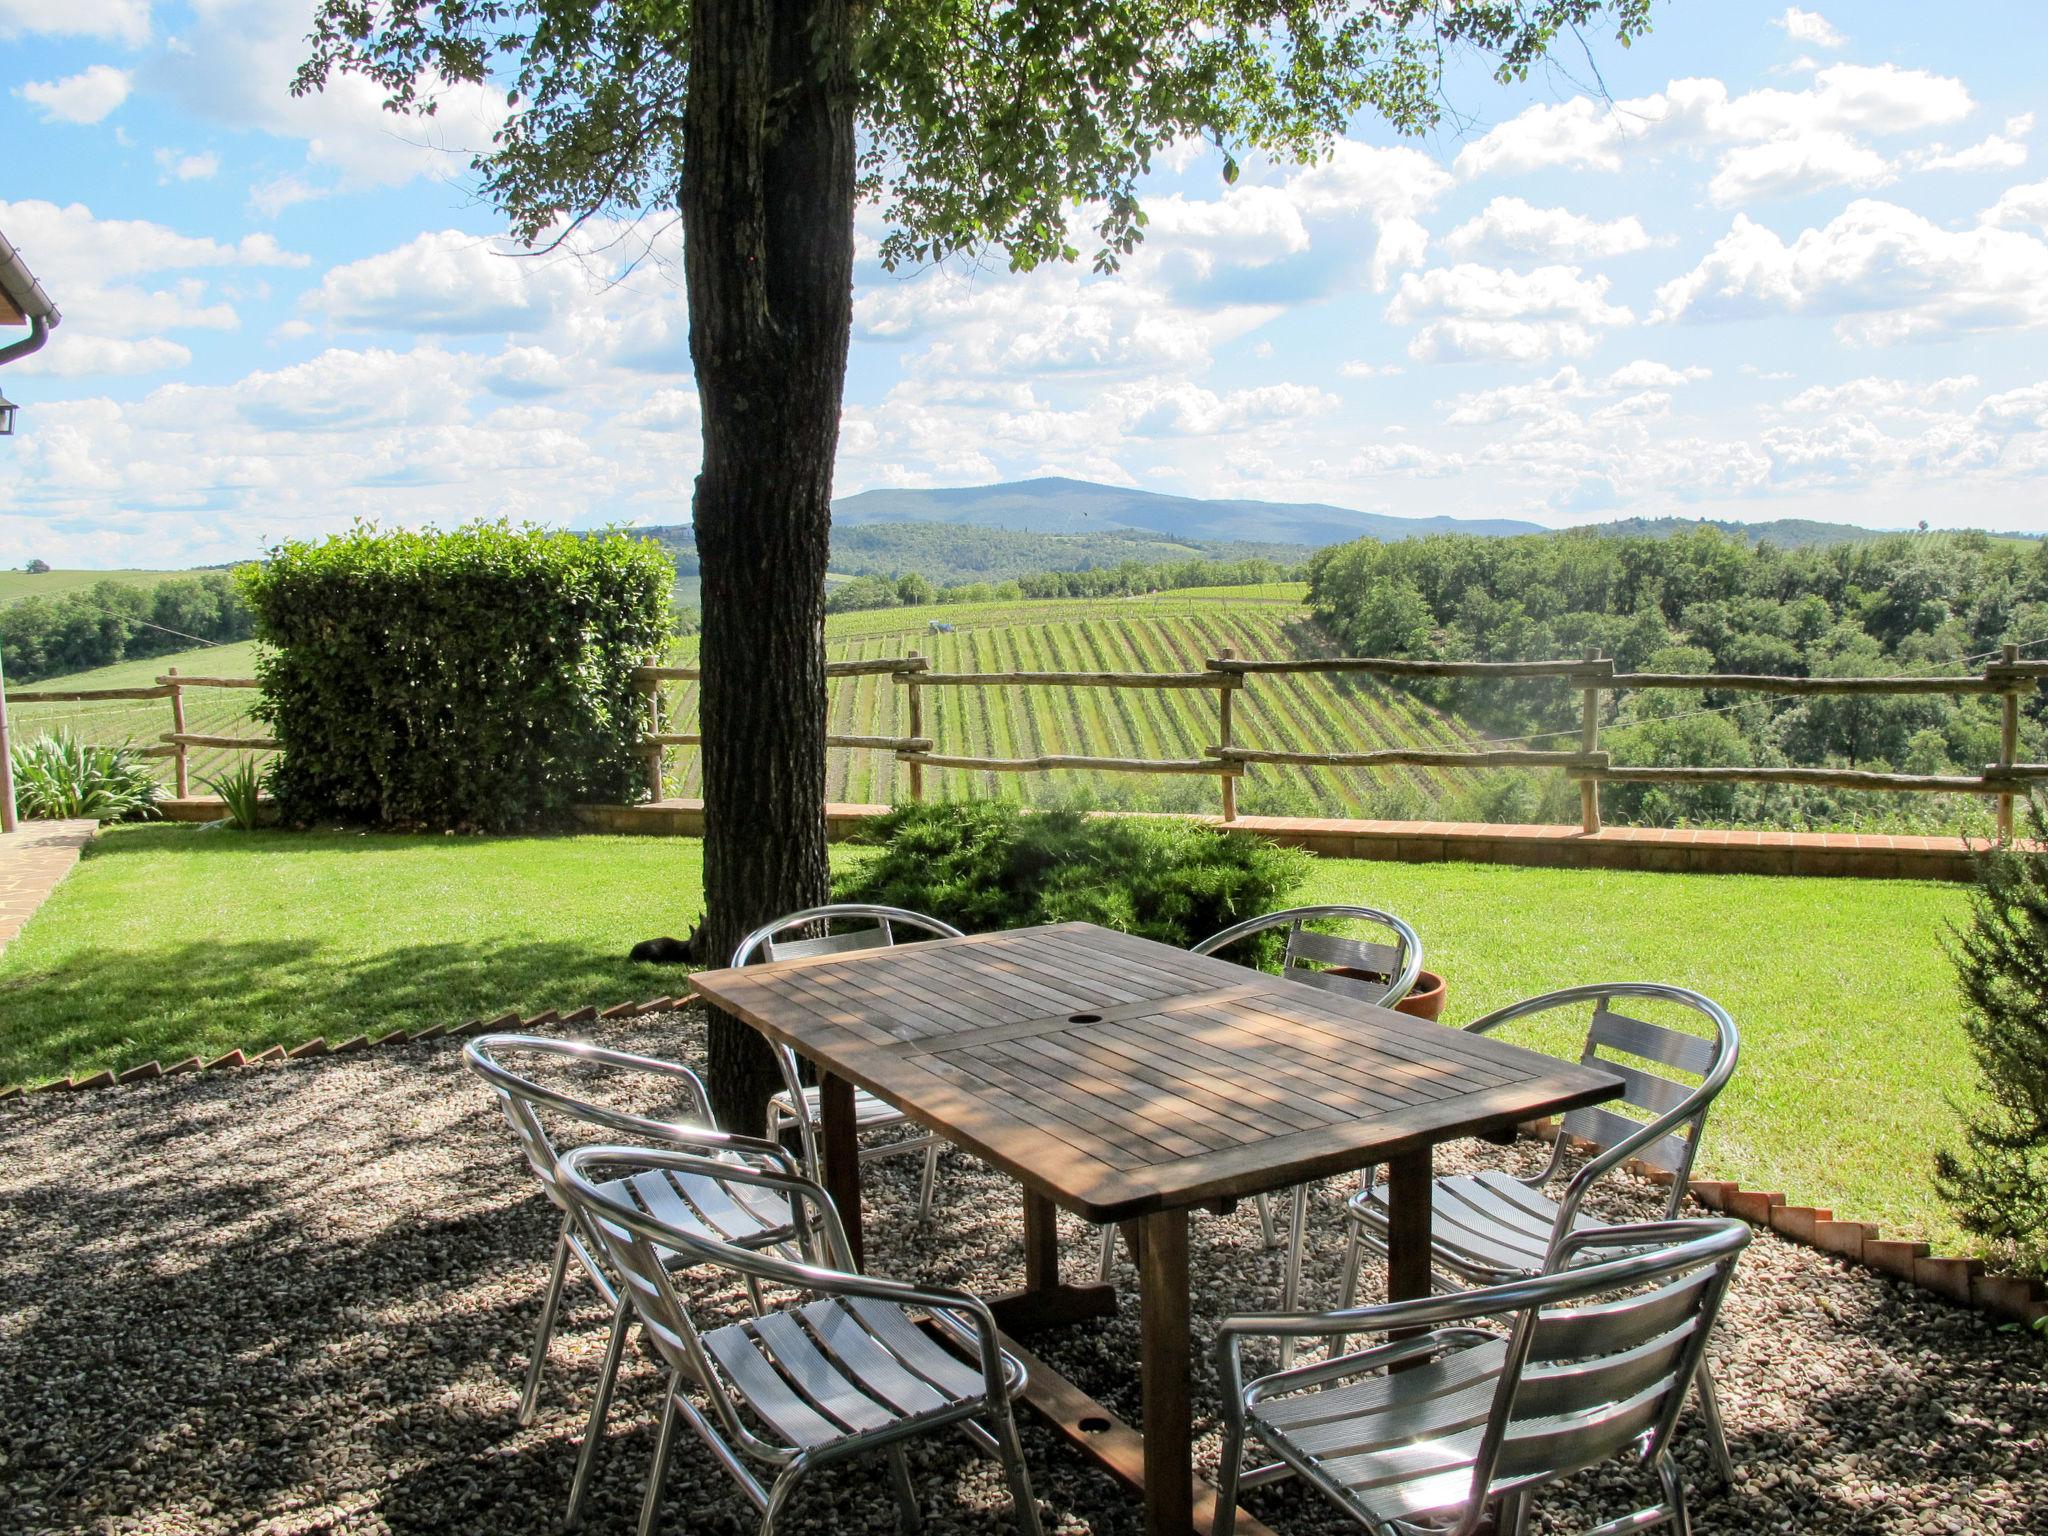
<point>1674,1113</point>
<point>1389,970</point>
<point>810,932</point>
<point>1596,1362</point>
<point>810,1381</point>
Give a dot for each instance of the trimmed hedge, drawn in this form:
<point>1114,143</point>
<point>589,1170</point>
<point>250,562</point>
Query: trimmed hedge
<point>476,680</point>
<point>984,864</point>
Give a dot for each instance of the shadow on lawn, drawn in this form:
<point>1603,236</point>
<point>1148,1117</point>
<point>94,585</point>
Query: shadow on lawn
<point>121,1007</point>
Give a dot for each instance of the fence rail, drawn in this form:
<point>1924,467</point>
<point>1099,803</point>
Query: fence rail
<point>1227,760</point>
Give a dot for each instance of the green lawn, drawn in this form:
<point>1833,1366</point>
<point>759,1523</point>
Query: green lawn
<point>15,585</point>
<point>170,941</point>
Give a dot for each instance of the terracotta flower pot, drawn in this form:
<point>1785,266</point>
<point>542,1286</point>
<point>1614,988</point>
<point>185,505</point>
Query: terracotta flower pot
<point>1424,1001</point>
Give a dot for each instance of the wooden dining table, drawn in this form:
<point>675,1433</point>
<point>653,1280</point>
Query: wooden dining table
<point>1132,1082</point>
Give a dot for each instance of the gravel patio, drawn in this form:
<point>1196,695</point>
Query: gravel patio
<point>297,1298</point>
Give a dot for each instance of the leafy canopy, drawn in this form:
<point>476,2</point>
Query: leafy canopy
<point>981,121</point>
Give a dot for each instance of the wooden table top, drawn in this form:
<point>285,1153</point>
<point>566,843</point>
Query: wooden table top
<point>1119,1076</point>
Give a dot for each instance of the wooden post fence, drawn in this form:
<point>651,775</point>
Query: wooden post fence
<point>2008,741</point>
<point>915,720</point>
<point>1223,712</point>
<point>180,763</point>
<point>6,762</point>
<point>1589,745</point>
<point>657,759</point>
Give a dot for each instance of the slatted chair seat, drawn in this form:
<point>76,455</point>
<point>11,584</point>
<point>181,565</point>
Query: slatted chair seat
<point>1435,1428</point>
<point>869,1112</point>
<point>837,1369</point>
<point>1484,1227</point>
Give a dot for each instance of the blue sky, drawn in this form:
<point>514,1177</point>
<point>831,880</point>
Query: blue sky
<point>1793,263</point>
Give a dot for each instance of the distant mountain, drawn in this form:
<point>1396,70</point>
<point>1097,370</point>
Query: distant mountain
<point>1785,533</point>
<point>1077,506</point>
<point>949,554</point>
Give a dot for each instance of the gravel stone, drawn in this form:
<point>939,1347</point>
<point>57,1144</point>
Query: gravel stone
<point>297,1298</point>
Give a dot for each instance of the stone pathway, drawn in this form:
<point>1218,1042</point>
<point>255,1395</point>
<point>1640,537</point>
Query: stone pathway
<point>33,858</point>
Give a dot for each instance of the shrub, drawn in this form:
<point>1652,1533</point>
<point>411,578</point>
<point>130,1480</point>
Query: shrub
<point>983,865</point>
<point>60,776</point>
<point>241,792</point>
<point>479,679</point>
<point>1998,1182</point>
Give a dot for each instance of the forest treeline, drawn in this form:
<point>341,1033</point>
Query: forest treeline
<point>1127,578</point>
<point>1705,601</point>
<point>112,621</point>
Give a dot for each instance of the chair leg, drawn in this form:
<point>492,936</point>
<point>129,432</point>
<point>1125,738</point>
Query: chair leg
<point>1513,1516</point>
<point>1225,1523</point>
<point>908,1512</point>
<point>1674,1493</point>
<point>1710,1412</point>
<point>1354,1258</point>
<point>779,1496</point>
<point>544,1331</point>
<point>1290,1286</point>
<point>657,1471</point>
<point>600,1408</point>
<point>928,1181</point>
<point>1004,1423</point>
<point>1264,1203</point>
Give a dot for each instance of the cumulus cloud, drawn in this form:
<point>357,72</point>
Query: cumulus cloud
<point>1888,274</point>
<point>1809,27</point>
<point>447,283</point>
<point>177,165</point>
<point>1470,311</point>
<point>1996,152</point>
<point>1509,224</point>
<point>2020,206</point>
<point>119,21</point>
<point>1768,142</point>
<point>86,97</point>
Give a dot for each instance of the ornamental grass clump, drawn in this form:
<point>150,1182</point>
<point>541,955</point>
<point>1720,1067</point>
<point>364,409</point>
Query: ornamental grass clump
<point>1997,1183</point>
<point>60,776</point>
<point>983,865</point>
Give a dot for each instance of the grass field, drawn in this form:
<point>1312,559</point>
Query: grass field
<point>15,585</point>
<point>1172,631</point>
<point>171,941</point>
<point>115,722</point>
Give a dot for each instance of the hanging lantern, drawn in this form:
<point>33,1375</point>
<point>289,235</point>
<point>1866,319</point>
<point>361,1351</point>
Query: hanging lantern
<point>7,410</point>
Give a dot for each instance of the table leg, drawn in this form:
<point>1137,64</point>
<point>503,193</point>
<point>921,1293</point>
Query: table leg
<point>1044,1299</point>
<point>1409,1180</point>
<point>841,1150</point>
<point>1163,1370</point>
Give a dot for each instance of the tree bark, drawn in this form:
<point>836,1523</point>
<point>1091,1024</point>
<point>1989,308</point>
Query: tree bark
<point>767,203</point>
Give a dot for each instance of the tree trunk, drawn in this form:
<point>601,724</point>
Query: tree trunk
<point>767,201</point>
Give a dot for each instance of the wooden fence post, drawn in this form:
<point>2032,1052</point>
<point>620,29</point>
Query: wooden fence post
<point>916,701</point>
<point>2008,743</point>
<point>1589,743</point>
<point>657,760</point>
<point>1223,712</point>
<point>180,757</point>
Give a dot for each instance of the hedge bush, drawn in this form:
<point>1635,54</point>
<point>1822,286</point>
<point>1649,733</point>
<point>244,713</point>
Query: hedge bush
<point>984,865</point>
<point>479,679</point>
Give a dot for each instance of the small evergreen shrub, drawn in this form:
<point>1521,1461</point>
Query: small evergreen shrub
<point>1998,1182</point>
<point>240,790</point>
<point>60,776</point>
<point>479,679</point>
<point>983,865</point>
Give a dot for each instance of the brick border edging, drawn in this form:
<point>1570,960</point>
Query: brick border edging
<point>1961,1280</point>
<point>149,1071</point>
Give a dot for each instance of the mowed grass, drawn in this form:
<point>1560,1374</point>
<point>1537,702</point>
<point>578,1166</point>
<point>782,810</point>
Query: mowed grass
<point>15,585</point>
<point>168,942</point>
<point>139,722</point>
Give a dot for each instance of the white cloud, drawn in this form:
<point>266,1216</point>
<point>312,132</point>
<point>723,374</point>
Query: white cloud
<point>71,355</point>
<point>1182,409</point>
<point>1363,370</point>
<point>1470,311</point>
<point>1809,27</point>
<point>1513,225</point>
<point>1888,274</point>
<point>1770,142</point>
<point>70,239</point>
<point>1997,152</point>
<point>120,21</point>
<point>450,283</point>
<point>86,97</point>
<point>177,165</point>
<point>2020,205</point>
<point>1647,373</point>
<point>1886,396</point>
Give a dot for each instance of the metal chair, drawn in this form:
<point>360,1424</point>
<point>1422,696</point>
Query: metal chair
<point>1427,1431</point>
<point>796,1107</point>
<point>811,1382</point>
<point>1386,974</point>
<point>702,1198</point>
<point>1492,1227</point>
